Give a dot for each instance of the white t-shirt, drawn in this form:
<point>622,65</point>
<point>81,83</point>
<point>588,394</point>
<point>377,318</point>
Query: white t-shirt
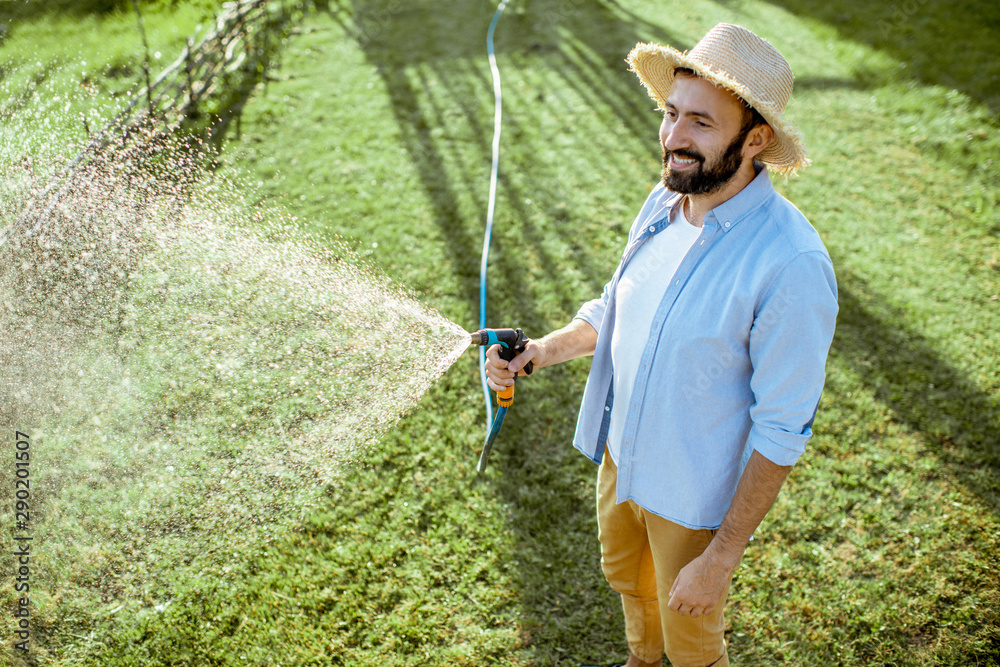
<point>640,290</point>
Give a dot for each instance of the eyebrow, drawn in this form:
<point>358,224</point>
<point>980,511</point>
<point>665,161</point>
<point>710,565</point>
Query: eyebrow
<point>701,114</point>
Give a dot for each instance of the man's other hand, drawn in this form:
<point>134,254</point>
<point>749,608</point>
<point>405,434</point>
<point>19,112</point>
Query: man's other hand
<point>699,587</point>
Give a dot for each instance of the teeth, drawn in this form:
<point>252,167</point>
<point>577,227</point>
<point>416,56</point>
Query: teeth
<point>680,160</point>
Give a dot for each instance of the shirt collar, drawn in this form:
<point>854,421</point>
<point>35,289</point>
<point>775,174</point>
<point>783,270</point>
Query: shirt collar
<point>726,215</point>
<point>737,208</point>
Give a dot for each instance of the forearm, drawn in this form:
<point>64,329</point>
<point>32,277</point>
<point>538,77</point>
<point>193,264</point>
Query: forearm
<point>576,339</point>
<point>701,583</point>
<point>757,490</point>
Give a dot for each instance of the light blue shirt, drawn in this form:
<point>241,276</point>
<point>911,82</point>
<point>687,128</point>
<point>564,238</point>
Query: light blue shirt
<point>733,360</point>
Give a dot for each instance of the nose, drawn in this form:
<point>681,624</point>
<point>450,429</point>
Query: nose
<point>672,136</point>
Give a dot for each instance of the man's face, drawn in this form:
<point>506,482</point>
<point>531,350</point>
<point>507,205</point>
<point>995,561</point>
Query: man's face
<point>702,136</point>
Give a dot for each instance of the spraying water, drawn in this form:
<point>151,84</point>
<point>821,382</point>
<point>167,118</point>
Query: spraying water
<point>185,366</point>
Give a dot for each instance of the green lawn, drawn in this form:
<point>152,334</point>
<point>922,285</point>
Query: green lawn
<point>375,131</point>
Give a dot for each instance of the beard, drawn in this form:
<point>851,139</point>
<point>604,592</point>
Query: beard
<point>705,179</point>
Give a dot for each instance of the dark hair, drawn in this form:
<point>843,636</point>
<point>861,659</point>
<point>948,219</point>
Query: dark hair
<point>751,117</point>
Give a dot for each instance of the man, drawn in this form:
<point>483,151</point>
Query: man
<point>709,346</point>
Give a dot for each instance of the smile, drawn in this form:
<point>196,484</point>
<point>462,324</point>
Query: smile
<point>681,163</point>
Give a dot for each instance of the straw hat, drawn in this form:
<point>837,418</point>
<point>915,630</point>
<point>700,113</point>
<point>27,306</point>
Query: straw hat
<point>734,58</point>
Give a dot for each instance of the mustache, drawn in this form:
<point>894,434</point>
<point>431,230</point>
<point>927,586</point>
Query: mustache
<point>686,155</point>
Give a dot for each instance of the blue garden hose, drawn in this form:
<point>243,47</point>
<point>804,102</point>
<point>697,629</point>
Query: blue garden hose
<point>492,425</point>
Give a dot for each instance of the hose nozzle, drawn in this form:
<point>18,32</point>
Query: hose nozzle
<point>481,337</point>
<point>506,338</point>
<point>511,342</point>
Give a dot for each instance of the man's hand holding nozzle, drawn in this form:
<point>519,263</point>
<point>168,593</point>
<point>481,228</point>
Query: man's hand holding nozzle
<point>500,373</point>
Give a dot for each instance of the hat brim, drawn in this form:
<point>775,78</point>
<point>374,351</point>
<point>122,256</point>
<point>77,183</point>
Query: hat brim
<point>655,64</point>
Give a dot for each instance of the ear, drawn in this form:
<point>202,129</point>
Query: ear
<point>757,140</point>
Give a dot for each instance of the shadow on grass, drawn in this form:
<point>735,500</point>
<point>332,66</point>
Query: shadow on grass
<point>960,421</point>
<point>923,35</point>
<point>432,63</point>
<point>829,83</point>
<point>409,43</point>
<point>562,591</point>
<point>13,11</point>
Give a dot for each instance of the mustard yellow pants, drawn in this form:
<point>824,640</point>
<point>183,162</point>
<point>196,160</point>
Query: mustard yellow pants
<point>641,554</point>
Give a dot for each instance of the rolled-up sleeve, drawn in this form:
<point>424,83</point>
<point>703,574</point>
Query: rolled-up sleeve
<point>789,340</point>
<point>593,311</point>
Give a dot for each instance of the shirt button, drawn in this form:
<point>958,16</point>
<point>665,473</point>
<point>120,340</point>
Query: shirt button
<point>652,229</point>
<point>607,409</point>
<point>727,224</point>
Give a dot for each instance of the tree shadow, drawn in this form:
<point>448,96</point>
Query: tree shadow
<point>959,421</point>
<point>583,43</point>
<point>829,83</point>
<point>25,10</point>
<point>942,42</point>
<point>431,62</point>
